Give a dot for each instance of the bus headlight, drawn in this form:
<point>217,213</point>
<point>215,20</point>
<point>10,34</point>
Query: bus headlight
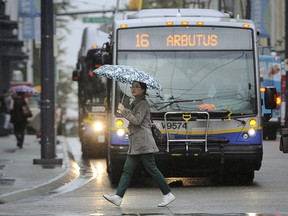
<point>98,126</point>
<point>245,136</point>
<point>252,122</point>
<point>119,123</point>
<point>120,132</point>
<point>251,132</point>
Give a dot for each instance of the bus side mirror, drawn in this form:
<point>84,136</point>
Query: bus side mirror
<point>78,66</point>
<point>106,58</point>
<point>101,58</point>
<point>97,59</point>
<point>76,75</point>
<point>270,97</point>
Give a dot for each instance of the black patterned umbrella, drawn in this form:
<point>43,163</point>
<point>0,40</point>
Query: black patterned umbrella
<point>127,74</point>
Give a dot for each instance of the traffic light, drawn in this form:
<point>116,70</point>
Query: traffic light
<point>270,96</point>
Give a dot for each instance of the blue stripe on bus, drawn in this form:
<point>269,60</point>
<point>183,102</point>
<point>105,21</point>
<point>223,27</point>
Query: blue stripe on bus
<point>235,138</point>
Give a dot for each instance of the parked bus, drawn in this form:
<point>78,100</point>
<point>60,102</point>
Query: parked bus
<point>271,75</point>
<point>92,94</point>
<point>209,108</point>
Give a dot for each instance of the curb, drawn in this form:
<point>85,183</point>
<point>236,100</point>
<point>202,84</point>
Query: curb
<point>71,173</point>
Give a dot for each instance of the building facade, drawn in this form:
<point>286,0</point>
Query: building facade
<point>11,54</point>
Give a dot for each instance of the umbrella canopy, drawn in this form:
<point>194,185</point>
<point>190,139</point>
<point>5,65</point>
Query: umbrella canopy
<point>24,88</point>
<point>127,74</point>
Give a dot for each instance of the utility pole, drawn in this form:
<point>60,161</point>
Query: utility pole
<point>285,62</point>
<point>286,31</point>
<point>248,10</point>
<point>48,131</point>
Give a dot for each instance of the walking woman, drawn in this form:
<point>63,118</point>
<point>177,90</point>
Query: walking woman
<point>18,118</point>
<point>141,147</point>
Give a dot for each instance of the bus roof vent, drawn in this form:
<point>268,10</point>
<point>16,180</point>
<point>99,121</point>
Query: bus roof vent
<point>152,13</point>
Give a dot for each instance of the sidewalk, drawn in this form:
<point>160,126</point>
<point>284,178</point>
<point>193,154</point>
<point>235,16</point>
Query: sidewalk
<point>20,178</point>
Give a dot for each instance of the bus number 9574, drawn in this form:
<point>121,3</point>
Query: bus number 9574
<point>174,125</point>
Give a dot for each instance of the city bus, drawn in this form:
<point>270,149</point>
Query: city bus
<point>271,75</point>
<point>209,107</point>
<point>92,94</point>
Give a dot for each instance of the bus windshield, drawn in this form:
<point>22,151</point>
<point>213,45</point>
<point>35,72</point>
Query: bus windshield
<point>222,78</point>
<point>195,65</point>
<point>93,88</point>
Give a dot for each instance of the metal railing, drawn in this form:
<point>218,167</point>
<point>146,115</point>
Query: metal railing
<point>187,116</point>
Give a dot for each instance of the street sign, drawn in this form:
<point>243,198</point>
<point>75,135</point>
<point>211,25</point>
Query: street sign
<point>96,19</point>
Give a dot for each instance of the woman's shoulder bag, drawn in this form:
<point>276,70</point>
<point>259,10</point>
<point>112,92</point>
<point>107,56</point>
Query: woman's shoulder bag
<point>157,134</point>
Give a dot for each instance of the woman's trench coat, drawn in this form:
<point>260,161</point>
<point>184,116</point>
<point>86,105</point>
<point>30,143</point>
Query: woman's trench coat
<point>141,140</point>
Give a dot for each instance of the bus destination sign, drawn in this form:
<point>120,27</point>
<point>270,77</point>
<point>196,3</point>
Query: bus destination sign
<point>199,38</point>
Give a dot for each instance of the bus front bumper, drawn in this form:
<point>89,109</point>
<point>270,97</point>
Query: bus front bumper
<point>227,156</point>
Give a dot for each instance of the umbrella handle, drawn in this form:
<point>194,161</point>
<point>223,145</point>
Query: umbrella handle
<point>124,94</point>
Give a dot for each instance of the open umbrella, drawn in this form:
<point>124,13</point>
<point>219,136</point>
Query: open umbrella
<point>127,74</point>
<point>24,88</point>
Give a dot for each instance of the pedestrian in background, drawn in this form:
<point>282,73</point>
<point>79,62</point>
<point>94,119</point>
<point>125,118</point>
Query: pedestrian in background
<point>18,118</point>
<point>58,119</point>
<point>141,147</point>
<point>5,103</point>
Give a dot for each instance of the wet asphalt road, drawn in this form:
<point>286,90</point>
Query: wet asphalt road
<point>267,195</point>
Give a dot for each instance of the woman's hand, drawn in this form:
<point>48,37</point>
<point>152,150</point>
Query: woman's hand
<point>121,107</point>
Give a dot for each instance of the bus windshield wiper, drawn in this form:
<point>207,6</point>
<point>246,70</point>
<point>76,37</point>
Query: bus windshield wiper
<point>227,114</point>
<point>237,118</point>
<point>175,101</point>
